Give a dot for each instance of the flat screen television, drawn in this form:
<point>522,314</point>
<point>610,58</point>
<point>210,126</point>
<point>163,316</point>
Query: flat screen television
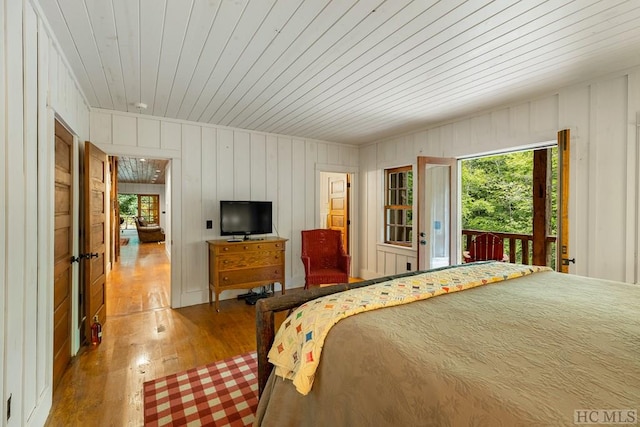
<point>243,218</point>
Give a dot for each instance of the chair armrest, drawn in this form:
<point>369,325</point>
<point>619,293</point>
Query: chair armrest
<point>306,261</point>
<point>344,261</point>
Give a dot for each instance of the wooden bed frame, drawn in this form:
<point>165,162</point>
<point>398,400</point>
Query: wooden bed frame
<point>266,309</point>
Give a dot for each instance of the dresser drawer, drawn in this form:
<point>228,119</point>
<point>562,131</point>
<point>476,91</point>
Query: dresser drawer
<point>249,259</point>
<point>261,274</point>
<point>248,247</point>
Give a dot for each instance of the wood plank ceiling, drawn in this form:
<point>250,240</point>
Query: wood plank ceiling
<point>141,171</point>
<point>346,71</point>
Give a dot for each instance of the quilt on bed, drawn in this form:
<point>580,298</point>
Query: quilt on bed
<point>298,344</point>
<point>527,352</point>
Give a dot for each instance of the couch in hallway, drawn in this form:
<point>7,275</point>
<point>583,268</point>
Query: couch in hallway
<point>148,232</point>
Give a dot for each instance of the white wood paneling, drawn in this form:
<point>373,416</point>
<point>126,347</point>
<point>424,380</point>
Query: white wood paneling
<point>127,30</point>
<point>219,163</point>
<point>46,177</point>
<point>3,200</point>
<point>210,201</point>
<point>170,136</point>
<point>609,177</point>
<point>224,22</point>
<point>125,131</point>
<point>242,165</point>
<point>101,128</point>
<point>271,178</point>
<point>85,45</point>
<point>148,133</point>
<point>258,167</point>
<point>102,29</point>
<point>604,167</point>
<point>311,198</point>
<point>176,18</point>
<point>633,178</point>
<point>285,200</point>
<point>35,84</point>
<point>298,202</point>
<point>574,108</point>
<point>194,247</point>
<point>225,165</point>
<point>30,34</point>
<point>15,216</point>
<point>351,71</point>
<point>151,24</point>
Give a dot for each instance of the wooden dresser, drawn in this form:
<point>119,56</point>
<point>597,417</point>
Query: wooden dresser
<point>245,265</point>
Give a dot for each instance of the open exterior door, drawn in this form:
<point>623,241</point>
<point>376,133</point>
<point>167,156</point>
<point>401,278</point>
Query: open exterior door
<point>438,232</point>
<point>562,245</point>
<point>94,235</point>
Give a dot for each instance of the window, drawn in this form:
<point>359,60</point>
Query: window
<point>398,209</point>
<point>148,207</point>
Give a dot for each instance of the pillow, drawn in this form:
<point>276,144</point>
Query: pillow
<point>142,222</point>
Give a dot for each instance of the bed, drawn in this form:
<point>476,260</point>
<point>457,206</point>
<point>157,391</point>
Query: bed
<point>542,349</point>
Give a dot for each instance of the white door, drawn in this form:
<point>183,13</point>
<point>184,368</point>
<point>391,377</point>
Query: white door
<point>438,230</point>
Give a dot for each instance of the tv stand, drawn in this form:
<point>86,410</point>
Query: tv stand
<point>245,265</point>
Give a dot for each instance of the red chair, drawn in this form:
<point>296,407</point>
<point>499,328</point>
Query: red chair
<point>325,260</point>
<point>485,247</point>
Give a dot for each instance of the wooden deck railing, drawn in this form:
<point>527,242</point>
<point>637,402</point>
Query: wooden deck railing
<point>512,242</point>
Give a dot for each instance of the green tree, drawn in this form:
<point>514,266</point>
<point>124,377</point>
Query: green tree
<point>128,204</point>
<point>497,193</point>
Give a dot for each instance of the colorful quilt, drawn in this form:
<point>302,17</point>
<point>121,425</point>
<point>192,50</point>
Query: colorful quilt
<point>298,344</point>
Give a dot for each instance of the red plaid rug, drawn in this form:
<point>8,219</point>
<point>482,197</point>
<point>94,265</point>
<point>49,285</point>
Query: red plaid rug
<point>223,393</point>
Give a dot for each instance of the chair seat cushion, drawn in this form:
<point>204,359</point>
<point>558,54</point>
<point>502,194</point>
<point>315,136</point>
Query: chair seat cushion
<point>327,275</point>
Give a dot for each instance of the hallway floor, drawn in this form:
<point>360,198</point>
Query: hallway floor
<point>143,338</point>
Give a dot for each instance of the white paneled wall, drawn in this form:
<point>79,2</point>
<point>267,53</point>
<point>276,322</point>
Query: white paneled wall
<point>35,85</point>
<point>212,163</point>
<point>603,178</point>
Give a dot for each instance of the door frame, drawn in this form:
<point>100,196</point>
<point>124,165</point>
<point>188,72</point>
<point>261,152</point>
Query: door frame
<point>353,210</point>
<point>174,241</point>
<point>455,214</point>
<point>527,147</point>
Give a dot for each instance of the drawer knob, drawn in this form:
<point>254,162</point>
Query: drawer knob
<point>246,247</point>
<point>225,278</point>
<point>259,246</point>
<point>226,249</point>
<point>225,261</point>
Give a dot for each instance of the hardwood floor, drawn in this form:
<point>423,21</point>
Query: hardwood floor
<point>143,339</point>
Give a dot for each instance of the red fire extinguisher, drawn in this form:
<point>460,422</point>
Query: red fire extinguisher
<point>96,331</point>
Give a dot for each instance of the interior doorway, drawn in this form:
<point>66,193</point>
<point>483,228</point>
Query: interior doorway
<point>334,204</point>
<point>141,271</point>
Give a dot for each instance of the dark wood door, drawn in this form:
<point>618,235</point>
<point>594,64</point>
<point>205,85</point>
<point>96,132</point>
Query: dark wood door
<point>63,247</point>
<point>339,208</point>
<point>94,235</point>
